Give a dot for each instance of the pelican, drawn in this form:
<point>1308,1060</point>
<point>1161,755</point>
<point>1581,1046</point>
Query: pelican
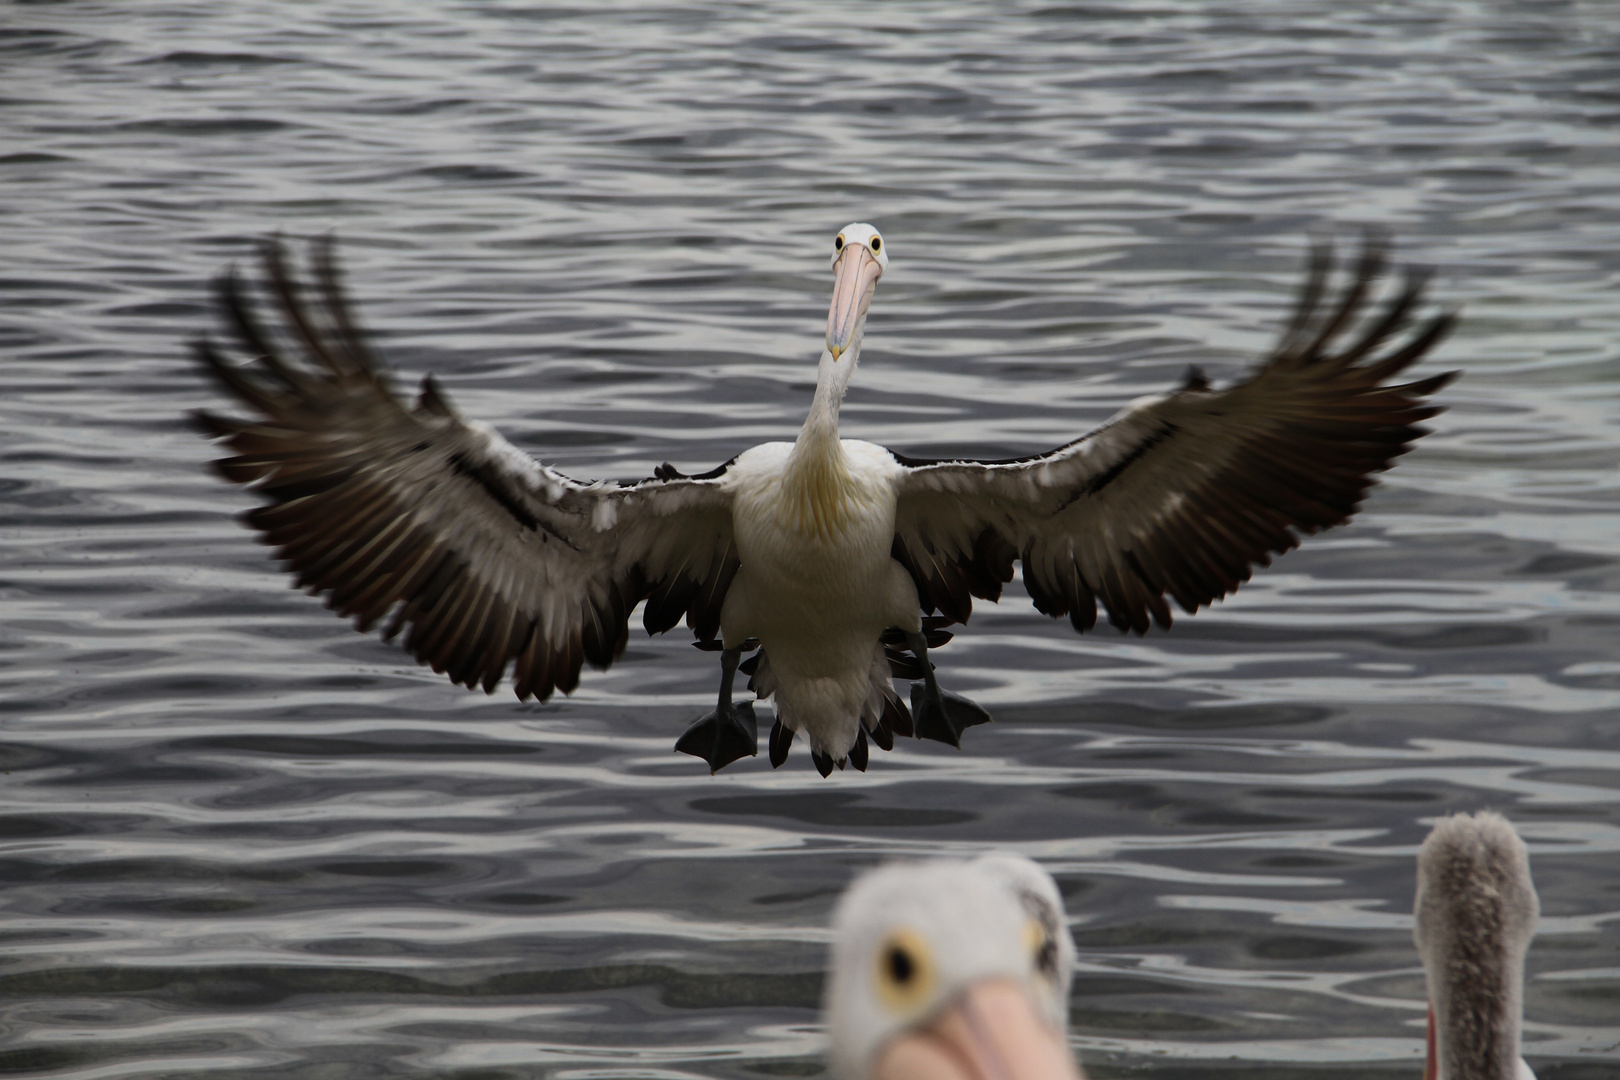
<point>837,563</point>
<point>1476,910</point>
<point>951,970</point>
<point>960,970</point>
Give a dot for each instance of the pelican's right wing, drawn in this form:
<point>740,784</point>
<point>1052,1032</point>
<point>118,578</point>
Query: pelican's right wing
<point>490,558</point>
<point>1183,494</point>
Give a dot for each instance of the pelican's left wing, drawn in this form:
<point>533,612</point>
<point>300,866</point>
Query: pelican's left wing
<point>489,557</point>
<point>1180,495</point>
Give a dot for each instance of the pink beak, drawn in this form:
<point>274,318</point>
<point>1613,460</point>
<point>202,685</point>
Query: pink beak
<point>992,1033</point>
<point>857,271</point>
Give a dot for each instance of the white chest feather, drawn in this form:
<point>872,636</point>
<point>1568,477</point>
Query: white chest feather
<point>817,584</point>
<point>815,534</point>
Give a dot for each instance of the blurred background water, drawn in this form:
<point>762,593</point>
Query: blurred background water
<point>239,838</point>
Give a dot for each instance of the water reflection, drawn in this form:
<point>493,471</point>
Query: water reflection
<point>238,838</point>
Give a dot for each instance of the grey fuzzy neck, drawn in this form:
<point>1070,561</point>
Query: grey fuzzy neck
<point>1476,911</point>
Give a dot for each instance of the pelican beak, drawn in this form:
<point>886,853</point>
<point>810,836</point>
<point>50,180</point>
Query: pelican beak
<point>992,1032</point>
<point>1431,1057</point>
<point>856,273</point>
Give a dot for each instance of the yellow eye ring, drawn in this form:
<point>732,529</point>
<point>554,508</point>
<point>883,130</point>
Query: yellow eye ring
<point>904,972</point>
<point>1034,937</point>
<point>876,245</point>
<point>838,243</point>
<point>1041,948</point>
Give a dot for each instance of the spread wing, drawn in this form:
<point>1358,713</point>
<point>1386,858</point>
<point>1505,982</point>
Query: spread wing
<point>486,556</point>
<point>1182,495</point>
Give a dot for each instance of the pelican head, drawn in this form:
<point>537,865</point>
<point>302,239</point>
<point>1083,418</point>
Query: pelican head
<point>1476,910</point>
<point>951,970</point>
<point>859,258</point>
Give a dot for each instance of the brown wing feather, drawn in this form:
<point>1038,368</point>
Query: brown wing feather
<point>1183,496</point>
<point>486,559</point>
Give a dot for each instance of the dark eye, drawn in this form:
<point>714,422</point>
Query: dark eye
<point>901,966</point>
<point>877,244</point>
<point>838,244</point>
<point>905,971</point>
<point>1042,948</point>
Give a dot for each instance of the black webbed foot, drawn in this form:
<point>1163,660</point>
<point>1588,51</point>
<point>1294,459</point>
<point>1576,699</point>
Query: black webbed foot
<point>945,717</point>
<point>781,739</point>
<point>935,713</point>
<point>723,736</point>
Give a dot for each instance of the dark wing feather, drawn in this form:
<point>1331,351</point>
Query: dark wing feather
<point>485,557</point>
<point>1181,496</point>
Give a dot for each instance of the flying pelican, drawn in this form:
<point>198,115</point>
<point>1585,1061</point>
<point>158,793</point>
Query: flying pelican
<point>951,970</point>
<point>823,555</point>
<point>1476,910</point>
<point>960,970</point>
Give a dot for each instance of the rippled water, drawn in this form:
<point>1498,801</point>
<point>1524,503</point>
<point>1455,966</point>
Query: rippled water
<point>241,839</point>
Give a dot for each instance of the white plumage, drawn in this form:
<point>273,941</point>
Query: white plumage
<point>839,561</point>
<point>951,970</point>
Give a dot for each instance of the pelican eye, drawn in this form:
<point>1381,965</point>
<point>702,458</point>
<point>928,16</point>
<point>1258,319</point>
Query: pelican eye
<point>905,971</point>
<point>1042,949</point>
<point>838,242</point>
<point>876,245</point>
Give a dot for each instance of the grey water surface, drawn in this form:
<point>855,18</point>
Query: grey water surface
<point>241,839</point>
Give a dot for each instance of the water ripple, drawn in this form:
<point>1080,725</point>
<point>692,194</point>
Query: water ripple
<point>237,838</point>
